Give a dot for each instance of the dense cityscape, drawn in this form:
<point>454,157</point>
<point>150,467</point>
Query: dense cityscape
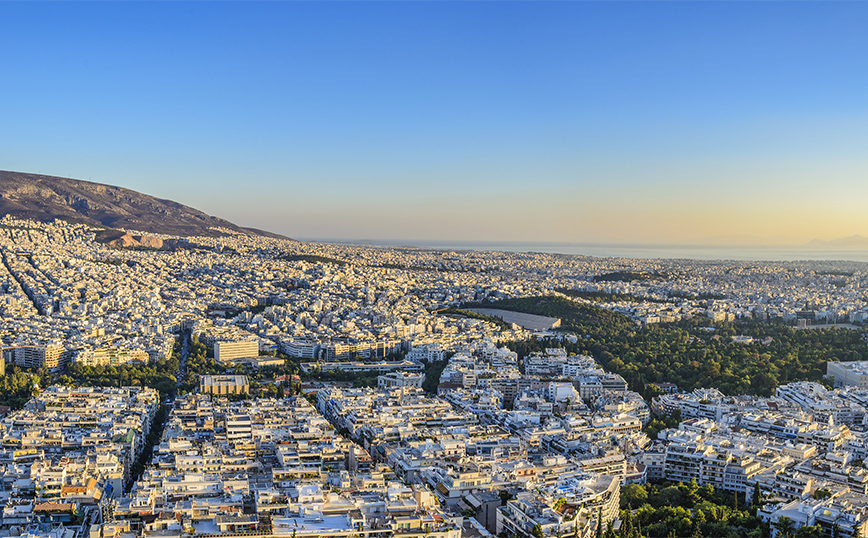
<point>433,269</point>
<point>243,385</point>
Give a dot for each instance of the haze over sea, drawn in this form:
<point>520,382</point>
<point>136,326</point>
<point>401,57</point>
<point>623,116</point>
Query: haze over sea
<point>607,250</point>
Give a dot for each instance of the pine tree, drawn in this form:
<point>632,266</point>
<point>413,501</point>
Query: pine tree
<point>785,527</point>
<point>537,531</point>
<point>627,530</point>
<point>757,494</point>
<point>599,523</point>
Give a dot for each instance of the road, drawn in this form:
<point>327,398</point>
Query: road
<point>182,363</point>
<point>168,404</point>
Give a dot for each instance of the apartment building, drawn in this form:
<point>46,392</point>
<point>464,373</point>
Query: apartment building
<point>49,356</point>
<point>226,351</point>
<point>111,356</point>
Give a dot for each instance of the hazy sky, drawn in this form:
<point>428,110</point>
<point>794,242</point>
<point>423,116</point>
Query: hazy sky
<point>731,122</point>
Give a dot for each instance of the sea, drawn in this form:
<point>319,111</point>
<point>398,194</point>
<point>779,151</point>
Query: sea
<point>645,251</point>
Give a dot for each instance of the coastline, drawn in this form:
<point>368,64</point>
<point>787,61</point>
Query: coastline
<point>611,250</point>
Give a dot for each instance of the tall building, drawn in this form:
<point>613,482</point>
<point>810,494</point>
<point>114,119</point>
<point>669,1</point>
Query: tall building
<point>238,349</point>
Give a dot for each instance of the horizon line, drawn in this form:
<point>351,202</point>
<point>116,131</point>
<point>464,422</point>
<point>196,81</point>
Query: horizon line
<point>814,244</point>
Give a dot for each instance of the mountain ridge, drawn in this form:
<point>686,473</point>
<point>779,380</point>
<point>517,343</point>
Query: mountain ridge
<point>854,240</point>
<point>41,197</point>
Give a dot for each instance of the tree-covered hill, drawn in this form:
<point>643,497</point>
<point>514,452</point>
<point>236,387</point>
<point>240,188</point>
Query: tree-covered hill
<point>575,317</point>
<point>694,352</point>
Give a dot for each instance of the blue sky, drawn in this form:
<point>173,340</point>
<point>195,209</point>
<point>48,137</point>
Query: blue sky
<point>729,122</point>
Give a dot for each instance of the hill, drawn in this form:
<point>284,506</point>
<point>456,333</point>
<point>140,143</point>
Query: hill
<point>577,317</point>
<point>853,241</point>
<point>43,198</point>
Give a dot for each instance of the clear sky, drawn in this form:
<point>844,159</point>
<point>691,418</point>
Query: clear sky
<point>669,122</point>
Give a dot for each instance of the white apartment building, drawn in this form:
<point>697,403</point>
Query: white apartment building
<point>238,349</point>
<point>852,374</point>
<point>111,356</point>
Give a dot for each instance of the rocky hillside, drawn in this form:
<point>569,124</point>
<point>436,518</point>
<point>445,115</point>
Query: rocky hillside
<point>46,198</point>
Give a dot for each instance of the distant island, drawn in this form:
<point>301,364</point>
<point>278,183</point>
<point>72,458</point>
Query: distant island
<point>852,241</point>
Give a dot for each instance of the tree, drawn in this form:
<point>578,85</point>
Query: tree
<point>785,527</point>
<point>66,381</point>
<point>634,495</point>
<point>693,496</point>
<point>669,496</point>
<point>537,531</point>
<point>757,494</point>
<point>812,531</point>
<point>627,530</point>
<point>599,523</point>
<point>821,494</point>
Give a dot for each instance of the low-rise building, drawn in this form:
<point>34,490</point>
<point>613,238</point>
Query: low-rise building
<point>224,384</point>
